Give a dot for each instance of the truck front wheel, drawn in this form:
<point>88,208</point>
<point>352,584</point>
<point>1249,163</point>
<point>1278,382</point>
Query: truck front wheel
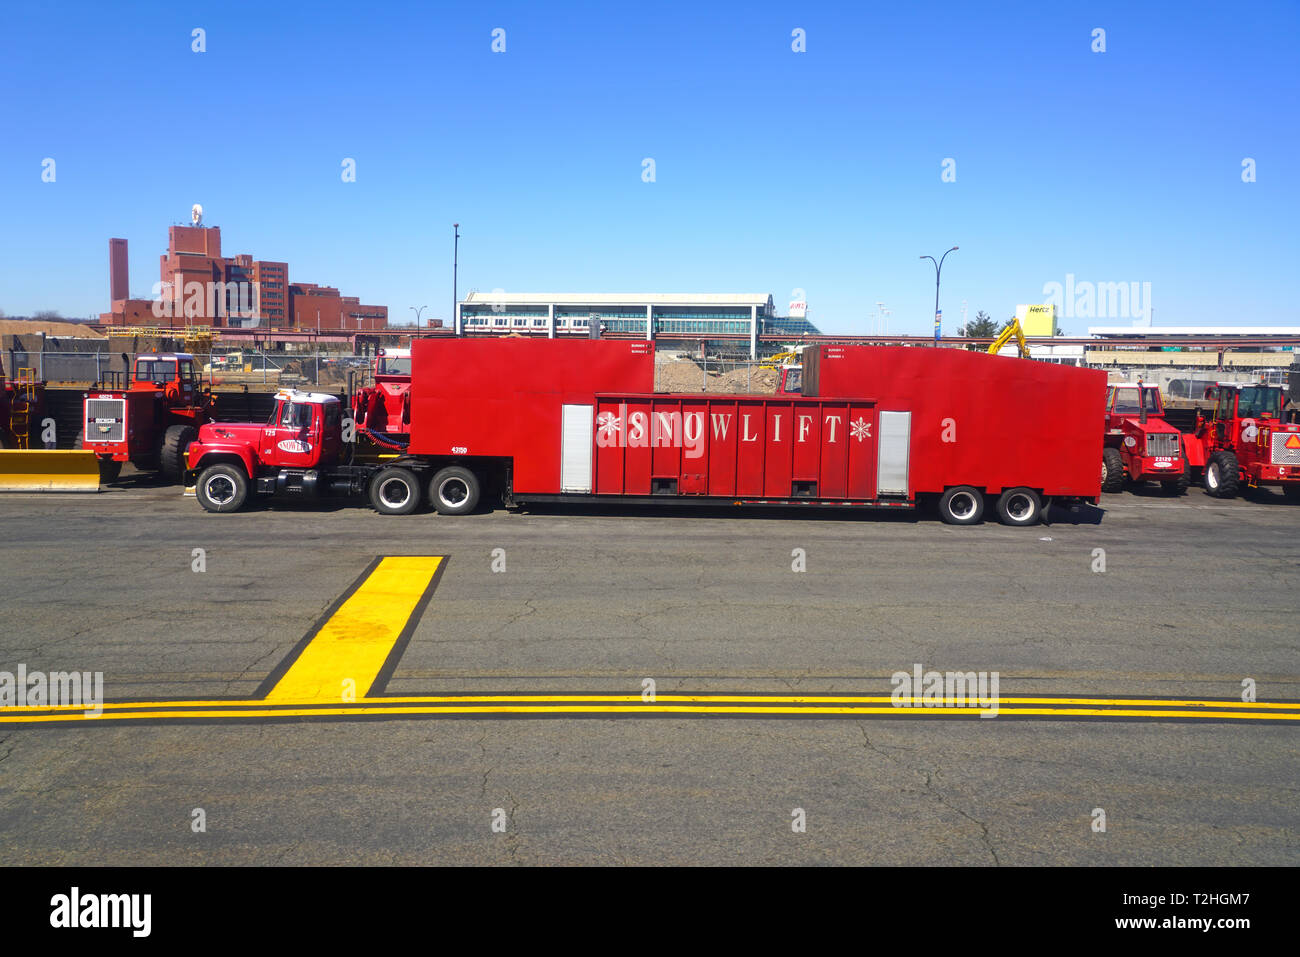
<point>222,488</point>
<point>961,505</point>
<point>1221,478</point>
<point>1020,506</point>
<point>454,491</point>
<point>395,491</point>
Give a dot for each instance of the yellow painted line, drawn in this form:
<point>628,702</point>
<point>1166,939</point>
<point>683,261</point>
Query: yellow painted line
<point>353,644</point>
<point>1005,701</point>
<point>366,711</point>
<point>347,652</point>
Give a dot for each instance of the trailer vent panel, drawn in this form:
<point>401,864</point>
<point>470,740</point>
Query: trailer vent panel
<point>576,440</point>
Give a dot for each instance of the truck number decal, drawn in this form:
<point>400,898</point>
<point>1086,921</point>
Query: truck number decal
<point>460,450</point>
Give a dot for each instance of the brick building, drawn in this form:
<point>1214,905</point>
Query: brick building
<point>200,286</point>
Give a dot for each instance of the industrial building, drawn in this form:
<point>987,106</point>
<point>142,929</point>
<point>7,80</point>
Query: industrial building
<point>665,317</point>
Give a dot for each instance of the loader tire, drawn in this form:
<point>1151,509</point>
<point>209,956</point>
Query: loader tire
<point>222,488</point>
<point>1221,475</point>
<point>175,445</point>
<point>109,469</point>
<point>395,491</point>
<point>1112,470</point>
<point>1180,485</point>
<point>1020,507</point>
<point>961,505</point>
<point>454,491</point>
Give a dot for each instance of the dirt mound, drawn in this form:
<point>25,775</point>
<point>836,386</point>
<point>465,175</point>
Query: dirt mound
<point>685,375</point>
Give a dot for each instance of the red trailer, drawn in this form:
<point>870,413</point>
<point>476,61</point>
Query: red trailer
<point>875,426</point>
<point>539,420</point>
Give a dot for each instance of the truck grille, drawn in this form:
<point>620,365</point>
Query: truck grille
<point>105,420</point>
<point>1162,443</point>
<point>1281,454</point>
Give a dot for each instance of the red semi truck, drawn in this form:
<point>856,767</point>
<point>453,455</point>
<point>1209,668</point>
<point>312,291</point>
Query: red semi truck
<point>578,421</point>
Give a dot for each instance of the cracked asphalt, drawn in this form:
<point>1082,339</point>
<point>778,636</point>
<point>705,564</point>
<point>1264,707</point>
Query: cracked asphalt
<point>1196,596</point>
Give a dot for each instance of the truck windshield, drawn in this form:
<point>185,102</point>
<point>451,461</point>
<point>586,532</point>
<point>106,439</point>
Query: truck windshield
<point>1259,400</point>
<point>391,366</point>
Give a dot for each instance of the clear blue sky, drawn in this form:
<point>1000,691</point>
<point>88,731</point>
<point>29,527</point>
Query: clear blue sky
<point>775,170</point>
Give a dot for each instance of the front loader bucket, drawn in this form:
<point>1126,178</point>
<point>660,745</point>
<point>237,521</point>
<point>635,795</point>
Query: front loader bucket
<point>46,470</point>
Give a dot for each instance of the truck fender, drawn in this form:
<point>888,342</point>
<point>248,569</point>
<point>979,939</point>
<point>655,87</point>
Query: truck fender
<point>1194,451</point>
<point>211,456</point>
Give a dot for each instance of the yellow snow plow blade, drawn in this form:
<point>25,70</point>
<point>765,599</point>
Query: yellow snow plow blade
<point>46,470</point>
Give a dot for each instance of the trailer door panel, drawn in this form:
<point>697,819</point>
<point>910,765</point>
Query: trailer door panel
<point>894,445</point>
<point>575,448</point>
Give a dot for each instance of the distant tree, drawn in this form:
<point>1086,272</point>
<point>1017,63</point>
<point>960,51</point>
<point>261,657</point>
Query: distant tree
<point>981,327</point>
<point>47,314</point>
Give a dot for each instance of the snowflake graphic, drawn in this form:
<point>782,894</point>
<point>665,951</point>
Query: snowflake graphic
<point>861,428</point>
<point>608,423</point>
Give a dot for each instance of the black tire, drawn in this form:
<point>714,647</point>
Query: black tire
<point>454,491</point>
<point>961,505</point>
<point>109,470</point>
<point>1221,478</point>
<point>1180,485</point>
<point>222,488</point>
<point>1020,507</point>
<point>176,442</point>
<point>395,491</point>
<point>1112,470</point>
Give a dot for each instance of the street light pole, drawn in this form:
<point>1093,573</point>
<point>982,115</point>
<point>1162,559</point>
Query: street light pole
<point>417,317</point>
<point>455,268</point>
<point>938,268</point>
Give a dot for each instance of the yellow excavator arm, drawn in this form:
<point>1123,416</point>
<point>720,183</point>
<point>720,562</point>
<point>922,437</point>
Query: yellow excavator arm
<point>1012,329</point>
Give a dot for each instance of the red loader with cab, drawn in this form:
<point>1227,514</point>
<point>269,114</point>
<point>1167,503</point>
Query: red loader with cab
<point>1243,443</point>
<point>1140,445</point>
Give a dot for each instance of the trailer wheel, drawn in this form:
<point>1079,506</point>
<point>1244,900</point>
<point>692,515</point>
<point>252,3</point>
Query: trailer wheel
<point>961,505</point>
<point>454,491</point>
<point>1221,478</point>
<point>109,469</point>
<point>1020,506</point>
<point>395,491</point>
<point>1112,470</point>
<point>176,443</point>
<point>222,488</point>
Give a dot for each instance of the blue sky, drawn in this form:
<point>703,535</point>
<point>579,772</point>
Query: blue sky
<point>774,170</point>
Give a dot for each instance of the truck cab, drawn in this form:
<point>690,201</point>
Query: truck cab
<point>1245,440</point>
<point>297,450</point>
<point>1140,446</point>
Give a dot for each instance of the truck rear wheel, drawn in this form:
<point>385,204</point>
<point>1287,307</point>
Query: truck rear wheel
<point>454,491</point>
<point>1112,470</point>
<point>176,443</point>
<point>395,491</point>
<point>222,488</point>
<point>1221,477</point>
<point>1020,506</point>
<point>961,505</point>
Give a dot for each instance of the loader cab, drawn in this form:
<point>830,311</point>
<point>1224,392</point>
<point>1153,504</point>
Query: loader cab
<point>172,373</point>
<point>393,362</point>
<point>1134,399</point>
<point>791,380</point>
<point>304,430</point>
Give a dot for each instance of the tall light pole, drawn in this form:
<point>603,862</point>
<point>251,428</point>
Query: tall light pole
<point>417,317</point>
<point>455,268</point>
<point>938,268</point>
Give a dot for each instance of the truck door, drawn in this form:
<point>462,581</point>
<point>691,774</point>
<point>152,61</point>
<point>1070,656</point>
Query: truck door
<point>294,439</point>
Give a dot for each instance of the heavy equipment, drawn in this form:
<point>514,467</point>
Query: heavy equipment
<point>1243,443</point>
<point>1011,329</point>
<point>540,420</point>
<point>22,406</point>
<point>382,410</point>
<point>1140,445</point>
<point>149,422</point>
